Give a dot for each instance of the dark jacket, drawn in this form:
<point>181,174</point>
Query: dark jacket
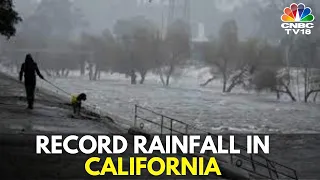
<point>29,68</point>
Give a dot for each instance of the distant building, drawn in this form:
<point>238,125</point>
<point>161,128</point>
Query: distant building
<point>201,36</point>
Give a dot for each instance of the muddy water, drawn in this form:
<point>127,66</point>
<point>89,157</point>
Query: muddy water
<point>203,108</point>
<point>216,112</point>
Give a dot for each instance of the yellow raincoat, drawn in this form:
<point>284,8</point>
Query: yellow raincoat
<point>74,99</point>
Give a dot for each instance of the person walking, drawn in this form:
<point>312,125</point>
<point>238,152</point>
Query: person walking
<point>29,69</point>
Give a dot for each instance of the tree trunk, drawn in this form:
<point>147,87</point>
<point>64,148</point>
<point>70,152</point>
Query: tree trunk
<point>306,96</point>
<point>62,72</point>
<point>168,80</point>
<point>133,77</point>
<point>224,82</point>
<point>286,91</point>
<point>82,68</point>
<point>224,74</point>
<point>90,72</point>
<point>278,95</point>
<point>232,85</point>
<point>169,75</point>
<point>290,94</point>
<point>298,84</point>
<point>161,78</point>
<point>66,73</point>
<point>315,97</point>
<point>143,76</point>
<point>95,74</point>
<point>99,75</point>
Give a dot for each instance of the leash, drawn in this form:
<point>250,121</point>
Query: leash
<point>69,94</point>
<point>92,107</point>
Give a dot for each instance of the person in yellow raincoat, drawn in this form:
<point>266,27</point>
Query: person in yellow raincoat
<point>76,102</point>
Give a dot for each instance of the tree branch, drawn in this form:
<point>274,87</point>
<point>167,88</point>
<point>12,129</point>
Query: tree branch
<point>208,81</point>
<point>311,92</point>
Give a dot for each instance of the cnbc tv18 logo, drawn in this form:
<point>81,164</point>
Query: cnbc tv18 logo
<point>297,19</point>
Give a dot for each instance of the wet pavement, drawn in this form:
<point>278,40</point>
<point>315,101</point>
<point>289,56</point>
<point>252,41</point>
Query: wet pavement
<point>50,114</point>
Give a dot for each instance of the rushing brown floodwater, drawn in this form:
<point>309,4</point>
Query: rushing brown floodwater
<point>205,108</point>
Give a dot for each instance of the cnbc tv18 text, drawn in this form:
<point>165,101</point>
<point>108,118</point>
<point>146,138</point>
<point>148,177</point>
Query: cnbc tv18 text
<point>298,28</point>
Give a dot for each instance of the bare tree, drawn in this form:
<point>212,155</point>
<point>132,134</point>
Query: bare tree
<point>136,37</point>
<point>269,79</point>
<point>223,54</point>
<point>144,51</point>
<point>176,49</point>
<point>304,56</point>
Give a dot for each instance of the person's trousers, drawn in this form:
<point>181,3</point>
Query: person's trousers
<point>30,94</point>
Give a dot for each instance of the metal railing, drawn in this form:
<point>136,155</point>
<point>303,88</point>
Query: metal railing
<point>255,164</point>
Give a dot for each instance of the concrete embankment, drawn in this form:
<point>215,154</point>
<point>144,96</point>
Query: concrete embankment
<point>51,113</point>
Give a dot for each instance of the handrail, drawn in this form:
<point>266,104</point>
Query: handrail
<point>270,166</point>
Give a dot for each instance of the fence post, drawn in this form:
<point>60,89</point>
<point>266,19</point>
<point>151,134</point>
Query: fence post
<point>171,133</point>
<point>171,127</point>
<point>135,114</point>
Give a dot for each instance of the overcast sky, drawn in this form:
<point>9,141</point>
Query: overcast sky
<point>102,14</point>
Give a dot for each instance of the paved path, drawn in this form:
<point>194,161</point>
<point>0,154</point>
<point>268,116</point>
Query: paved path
<point>51,113</point>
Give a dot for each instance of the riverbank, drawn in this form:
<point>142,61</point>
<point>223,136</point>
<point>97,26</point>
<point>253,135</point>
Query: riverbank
<point>51,115</point>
